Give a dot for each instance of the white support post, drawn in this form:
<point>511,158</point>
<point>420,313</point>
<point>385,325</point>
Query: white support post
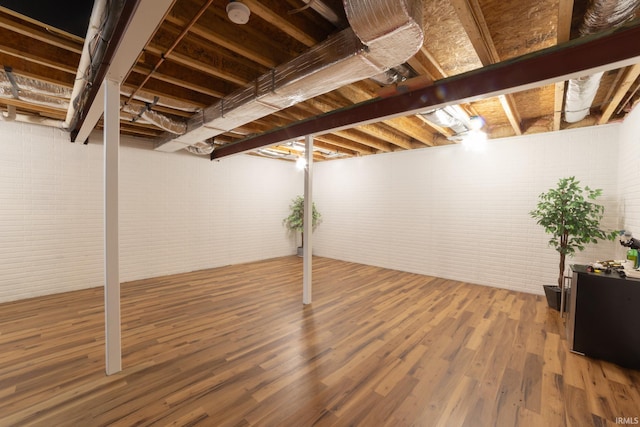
<point>307,221</point>
<point>113,352</point>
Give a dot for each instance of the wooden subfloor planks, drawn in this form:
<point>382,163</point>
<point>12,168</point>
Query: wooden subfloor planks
<point>234,346</point>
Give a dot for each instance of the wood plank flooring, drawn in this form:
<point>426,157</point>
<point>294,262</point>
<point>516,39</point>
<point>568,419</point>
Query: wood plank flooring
<point>234,346</point>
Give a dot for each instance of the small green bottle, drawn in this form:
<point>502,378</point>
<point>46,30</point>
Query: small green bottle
<point>632,254</point>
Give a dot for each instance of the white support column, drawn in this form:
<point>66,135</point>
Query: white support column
<point>113,350</point>
<point>307,221</point>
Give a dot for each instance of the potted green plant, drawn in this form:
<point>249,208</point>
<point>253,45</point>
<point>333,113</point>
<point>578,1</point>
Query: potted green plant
<point>568,213</point>
<point>295,221</point>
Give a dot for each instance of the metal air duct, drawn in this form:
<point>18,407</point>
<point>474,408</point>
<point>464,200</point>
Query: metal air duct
<point>600,15</point>
<point>325,11</point>
<point>96,23</point>
<point>14,86</point>
<point>382,35</point>
<point>159,120</point>
<point>201,148</point>
<point>442,117</point>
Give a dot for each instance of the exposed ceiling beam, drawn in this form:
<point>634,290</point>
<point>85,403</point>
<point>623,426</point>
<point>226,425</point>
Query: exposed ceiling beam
<point>443,130</point>
<point>475,25</point>
<point>133,31</point>
<point>170,49</point>
<point>425,64</point>
<point>558,100</point>
<point>358,92</point>
<point>364,139</point>
<point>208,63</point>
<point>413,127</point>
<point>323,104</point>
<point>40,72</point>
<point>345,143</point>
<point>357,136</point>
<point>586,55</point>
<point>181,82</point>
<point>565,13</point>
<point>43,34</point>
<point>508,103</point>
<point>26,105</point>
<point>239,40</point>
<point>511,111</point>
<point>51,57</point>
<point>470,14</point>
<point>278,15</point>
<point>630,76</point>
<point>386,134</point>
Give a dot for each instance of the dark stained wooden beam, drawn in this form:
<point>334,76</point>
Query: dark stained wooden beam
<point>605,51</point>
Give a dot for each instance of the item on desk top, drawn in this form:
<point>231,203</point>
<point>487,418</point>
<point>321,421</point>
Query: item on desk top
<point>632,255</point>
<point>603,265</point>
<point>625,268</point>
<point>608,267</point>
<point>633,274</point>
<point>628,241</point>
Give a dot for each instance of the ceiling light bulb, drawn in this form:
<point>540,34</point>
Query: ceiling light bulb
<point>476,122</point>
<point>474,140</point>
<point>301,163</point>
<point>238,12</point>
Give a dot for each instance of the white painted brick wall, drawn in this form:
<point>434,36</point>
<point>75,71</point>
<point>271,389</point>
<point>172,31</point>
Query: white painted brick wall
<point>439,211</point>
<point>200,214</point>
<point>462,215</point>
<point>49,208</point>
<point>178,212</point>
<point>629,173</point>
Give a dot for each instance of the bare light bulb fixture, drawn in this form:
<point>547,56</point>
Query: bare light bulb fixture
<point>238,12</point>
<point>301,163</point>
<point>477,122</point>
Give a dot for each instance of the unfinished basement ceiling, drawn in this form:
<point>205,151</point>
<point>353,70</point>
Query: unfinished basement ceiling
<point>198,57</point>
<point>71,16</point>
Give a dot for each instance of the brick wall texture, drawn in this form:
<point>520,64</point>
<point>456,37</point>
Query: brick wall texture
<point>441,211</point>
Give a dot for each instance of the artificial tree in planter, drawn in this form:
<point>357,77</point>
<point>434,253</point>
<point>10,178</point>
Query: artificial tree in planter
<point>568,213</point>
<point>295,220</point>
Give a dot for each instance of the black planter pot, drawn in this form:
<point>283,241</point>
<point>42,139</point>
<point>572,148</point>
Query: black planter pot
<point>553,294</point>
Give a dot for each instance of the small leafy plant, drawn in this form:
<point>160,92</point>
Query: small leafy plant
<point>295,220</point>
<point>568,213</point>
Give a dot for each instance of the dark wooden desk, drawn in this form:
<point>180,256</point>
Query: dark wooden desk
<point>604,317</point>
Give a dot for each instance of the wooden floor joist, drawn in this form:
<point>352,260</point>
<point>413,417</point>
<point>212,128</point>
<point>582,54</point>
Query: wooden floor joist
<point>234,346</point>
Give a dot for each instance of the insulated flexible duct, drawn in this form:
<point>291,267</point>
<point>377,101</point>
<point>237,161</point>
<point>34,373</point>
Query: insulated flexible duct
<point>382,35</point>
<point>144,96</point>
<point>98,16</point>
<point>442,117</point>
<point>157,119</point>
<point>33,85</point>
<point>201,148</point>
<point>14,86</point>
<point>601,15</point>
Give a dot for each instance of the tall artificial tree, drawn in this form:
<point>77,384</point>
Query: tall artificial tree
<point>568,213</point>
<point>295,220</point>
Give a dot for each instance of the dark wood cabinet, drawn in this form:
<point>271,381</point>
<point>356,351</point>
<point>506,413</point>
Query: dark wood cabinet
<point>604,317</point>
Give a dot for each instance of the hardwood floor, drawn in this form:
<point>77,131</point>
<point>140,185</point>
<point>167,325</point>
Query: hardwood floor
<point>234,346</point>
